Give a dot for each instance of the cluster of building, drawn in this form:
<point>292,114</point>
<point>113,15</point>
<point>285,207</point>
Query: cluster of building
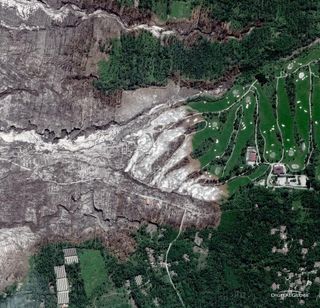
<point>62,283</point>
<point>279,176</point>
<point>283,179</point>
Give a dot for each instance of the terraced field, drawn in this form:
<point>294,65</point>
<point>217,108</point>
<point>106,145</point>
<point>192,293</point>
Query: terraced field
<point>279,121</point>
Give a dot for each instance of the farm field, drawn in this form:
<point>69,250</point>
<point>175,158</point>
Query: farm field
<point>92,270</point>
<point>252,128</point>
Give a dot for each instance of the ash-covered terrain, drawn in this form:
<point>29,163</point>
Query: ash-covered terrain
<point>74,162</point>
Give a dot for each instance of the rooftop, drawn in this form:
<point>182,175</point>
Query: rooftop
<point>70,252</point>
<point>63,298</point>
<point>62,285</point>
<point>60,272</point>
<point>279,169</point>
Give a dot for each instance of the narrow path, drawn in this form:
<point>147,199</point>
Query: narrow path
<point>166,260</point>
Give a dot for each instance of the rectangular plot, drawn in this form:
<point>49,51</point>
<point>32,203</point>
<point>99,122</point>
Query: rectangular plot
<point>181,9</point>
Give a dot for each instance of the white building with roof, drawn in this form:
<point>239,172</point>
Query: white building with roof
<point>62,285</point>
<point>70,256</point>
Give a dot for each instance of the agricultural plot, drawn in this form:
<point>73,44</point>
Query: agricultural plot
<point>258,126</point>
<point>92,270</point>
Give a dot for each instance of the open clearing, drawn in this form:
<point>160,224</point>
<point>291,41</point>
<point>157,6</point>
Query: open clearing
<point>92,270</point>
<point>180,9</point>
<point>278,121</point>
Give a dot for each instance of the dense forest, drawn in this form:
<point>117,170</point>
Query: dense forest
<point>140,60</point>
<point>232,266</point>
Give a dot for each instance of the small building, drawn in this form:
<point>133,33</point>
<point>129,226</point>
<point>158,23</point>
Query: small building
<point>63,299</point>
<point>70,256</point>
<point>62,285</point>
<point>279,169</point>
<point>251,156</point>
<point>60,272</point>
<point>282,181</point>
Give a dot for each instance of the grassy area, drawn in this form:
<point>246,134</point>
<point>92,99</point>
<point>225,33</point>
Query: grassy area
<point>221,138</point>
<point>302,114</point>
<point>309,56</point>
<point>180,9</point>
<point>93,270</point>
<point>268,128</point>
<point>116,299</point>
<point>284,118</point>
<point>293,155</point>
<point>207,104</point>
<point>236,183</point>
<point>281,119</point>
<point>160,9</point>
<point>244,134</point>
<point>316,110</point>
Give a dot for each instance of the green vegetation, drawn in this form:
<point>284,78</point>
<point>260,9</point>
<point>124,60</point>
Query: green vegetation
<point>90,282</point>
<point>285,121</point>
<point>180,9</point>
<point>167,9</point>
<point>233,266</point>
<point>235,184</point>
<point>281,124</point>
<point>316,110</point>
<point>207,104</point>
<point>272,149</point>
<point>126,2</point>
<point>302,109</point>
<point>134,61</point>
<point>92,270</point>
<point>228,219</point>
<point>244,135</point>
<point>282,28</point>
